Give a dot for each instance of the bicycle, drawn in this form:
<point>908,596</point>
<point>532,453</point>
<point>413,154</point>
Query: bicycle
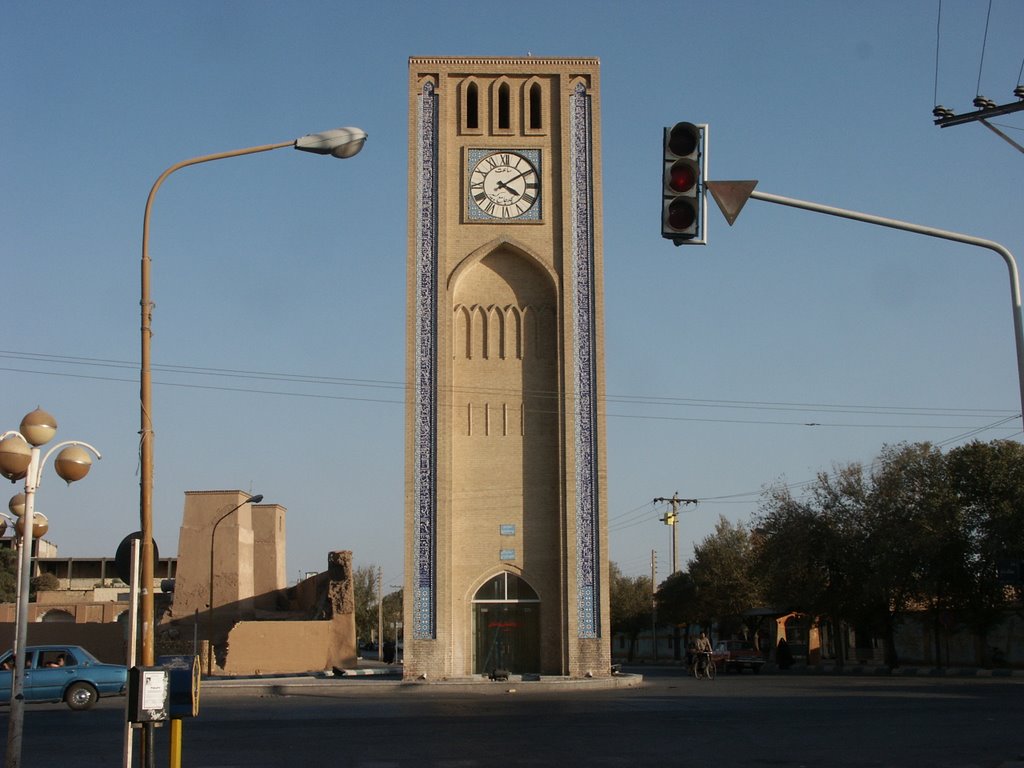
<point>703,666</point>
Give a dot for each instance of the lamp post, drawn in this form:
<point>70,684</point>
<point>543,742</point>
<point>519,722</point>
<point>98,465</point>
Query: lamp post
<point>731,196</point>
<point>339,142</point>
<point>209,608</point>
<point>20,458</point>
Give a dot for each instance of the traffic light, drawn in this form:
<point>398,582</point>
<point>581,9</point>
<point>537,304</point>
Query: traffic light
<point>683,177</point>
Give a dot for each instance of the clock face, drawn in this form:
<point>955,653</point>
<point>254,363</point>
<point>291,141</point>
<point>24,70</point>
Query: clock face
<point>504,185</point>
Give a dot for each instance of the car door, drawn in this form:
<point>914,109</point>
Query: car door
<point>6,676</point>
<point>51,670</point>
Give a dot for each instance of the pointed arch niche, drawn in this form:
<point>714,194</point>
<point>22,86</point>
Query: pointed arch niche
<point>505,410</point>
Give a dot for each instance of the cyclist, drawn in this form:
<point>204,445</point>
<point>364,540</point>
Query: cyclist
<point>702,655</point>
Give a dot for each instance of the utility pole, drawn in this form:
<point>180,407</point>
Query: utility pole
<point>654,602</point>
<point>986,108</point>
<point>380,614</point>
<point>671,518</point>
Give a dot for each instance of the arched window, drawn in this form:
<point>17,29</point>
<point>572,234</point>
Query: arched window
<point>535,109</point>
<point>506,616</point>
<point>57,615</point>
<point>472,107</point>
<point>504,107</point>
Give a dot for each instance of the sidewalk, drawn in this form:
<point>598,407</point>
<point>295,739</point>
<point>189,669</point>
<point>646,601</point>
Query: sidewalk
<point>831,668</point>
<point>374,676</point>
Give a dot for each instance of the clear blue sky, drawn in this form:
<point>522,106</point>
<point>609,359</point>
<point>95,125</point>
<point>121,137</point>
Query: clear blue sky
<point>279,279</point>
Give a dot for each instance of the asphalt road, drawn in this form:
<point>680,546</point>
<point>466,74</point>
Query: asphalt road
<point>758,721</point>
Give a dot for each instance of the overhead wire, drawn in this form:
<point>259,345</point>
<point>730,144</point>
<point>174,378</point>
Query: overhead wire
<point>938,37</point>
<point>623,521</point>
<point>647,401</point>
<point>984,45</point>
<point>619,521</point>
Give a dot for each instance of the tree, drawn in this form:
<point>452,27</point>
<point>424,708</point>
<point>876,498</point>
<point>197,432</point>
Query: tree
<point>922,530</point>
<point>676,599</point>
<point>917,554</point>
<point>364,584</point>
<point>631,601</point>
<point>8,575</point>
<point>723,576</point>
<point>392,606</point>
<point>677,604</point>
<point>786,551</point>
<point>988,480</point>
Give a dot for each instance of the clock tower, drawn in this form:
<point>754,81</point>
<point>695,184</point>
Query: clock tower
<point>506,537</point>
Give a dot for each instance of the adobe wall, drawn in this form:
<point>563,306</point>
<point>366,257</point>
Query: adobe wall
<point>279,647</point>
<point>80,613</point>
<point>233,559</point>
<point>268,527</point>
<point>104,641</point>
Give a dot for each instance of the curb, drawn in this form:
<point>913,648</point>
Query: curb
<point>367,680</point>
<point>771,668</point>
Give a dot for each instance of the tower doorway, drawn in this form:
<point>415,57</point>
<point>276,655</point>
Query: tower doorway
<point>506,626</point>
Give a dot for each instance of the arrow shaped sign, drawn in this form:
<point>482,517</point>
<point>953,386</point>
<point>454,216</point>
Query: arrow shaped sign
<point>731,196</point>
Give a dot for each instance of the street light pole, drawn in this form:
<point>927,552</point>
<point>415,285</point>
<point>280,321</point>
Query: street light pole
<point>731,196</point>
<point>20,457</point>
<point>341,143</point>
<point>209,608</point>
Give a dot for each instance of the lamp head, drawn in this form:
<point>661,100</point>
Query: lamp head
<point>38,427</point>
<point>339,142</point>
<point>17,504</point>
<point>72,463</point>
<point>40,525</point>
<point>255,499</point>
<point>15,457</point>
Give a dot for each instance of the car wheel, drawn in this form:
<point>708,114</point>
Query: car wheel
<point>80,696</point>
<point>756,668</point>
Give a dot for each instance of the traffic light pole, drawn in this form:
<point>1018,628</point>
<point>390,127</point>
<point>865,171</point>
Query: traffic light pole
<point>721,191</point>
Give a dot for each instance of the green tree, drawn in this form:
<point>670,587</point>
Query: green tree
<point>676,599</point>
<point>786,551</point>
<point>8,575</point>
<point>392,614</point>
<point>988,480</point>
<point>723,576</point>
<point>922,530</point>
<point>364,582</point>
<point>677,604</point>
<point>916,553</point>
<point>631,600</point>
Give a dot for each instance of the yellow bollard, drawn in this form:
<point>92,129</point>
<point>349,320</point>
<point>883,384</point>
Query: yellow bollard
<point>175,761</point>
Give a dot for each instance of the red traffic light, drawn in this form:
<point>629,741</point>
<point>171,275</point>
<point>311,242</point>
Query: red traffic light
<point>682,183</point>
<point>682,176</point>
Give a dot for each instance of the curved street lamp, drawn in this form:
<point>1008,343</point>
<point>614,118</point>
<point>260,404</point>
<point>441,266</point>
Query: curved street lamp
<point>339,142</point>
<point>209,608</point>
<point>20,459</point>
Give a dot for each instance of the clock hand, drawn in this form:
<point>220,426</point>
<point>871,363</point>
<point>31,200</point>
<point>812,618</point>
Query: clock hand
<point>504,184</point>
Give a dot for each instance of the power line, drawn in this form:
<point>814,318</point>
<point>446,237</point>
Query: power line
<point>662,400</point>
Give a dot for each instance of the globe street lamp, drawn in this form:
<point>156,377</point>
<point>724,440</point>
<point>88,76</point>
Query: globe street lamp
<point>209,607</point>
<point>339,142</point>
<point>20,458</point>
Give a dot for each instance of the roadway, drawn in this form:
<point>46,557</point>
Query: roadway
<point>848,721</point>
